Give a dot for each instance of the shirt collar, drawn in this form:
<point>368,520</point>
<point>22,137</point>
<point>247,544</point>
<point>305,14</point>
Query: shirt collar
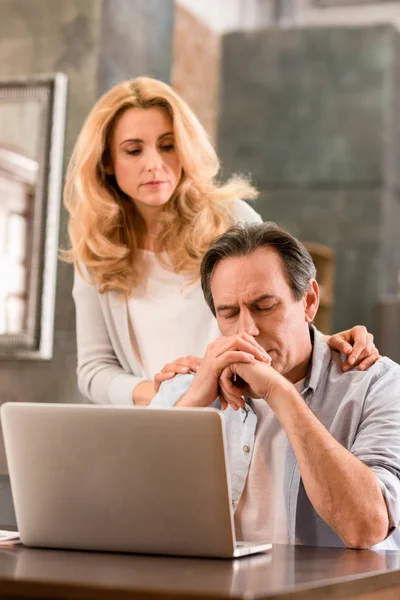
<point>319,360</point>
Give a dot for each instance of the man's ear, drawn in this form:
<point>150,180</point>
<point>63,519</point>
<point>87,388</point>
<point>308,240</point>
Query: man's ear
<point>311,301</point>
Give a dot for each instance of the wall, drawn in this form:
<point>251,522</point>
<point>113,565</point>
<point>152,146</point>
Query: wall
<point>224,16</point>
<point>135,39</point>
<point>230,15</point>
<point>308,12</point>
<point>312,114</point>
<point>196,66</point>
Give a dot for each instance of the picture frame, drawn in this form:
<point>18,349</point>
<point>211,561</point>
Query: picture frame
<point>32,125</point>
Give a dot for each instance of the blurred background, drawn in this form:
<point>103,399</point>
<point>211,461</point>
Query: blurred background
<point>301,95</point>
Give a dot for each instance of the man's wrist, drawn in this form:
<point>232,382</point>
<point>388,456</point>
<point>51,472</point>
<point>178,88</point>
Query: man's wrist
<point>282,397</point>
<point>194,400</point>
<point>188,399</point>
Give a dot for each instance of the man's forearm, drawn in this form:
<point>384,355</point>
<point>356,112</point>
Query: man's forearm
<point>344,491</point>
<point>185,400</point>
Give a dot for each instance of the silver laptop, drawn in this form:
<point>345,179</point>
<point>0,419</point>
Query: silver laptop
<point>121,479</point>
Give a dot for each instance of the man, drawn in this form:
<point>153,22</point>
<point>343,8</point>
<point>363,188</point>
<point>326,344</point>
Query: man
<point>314,453</point>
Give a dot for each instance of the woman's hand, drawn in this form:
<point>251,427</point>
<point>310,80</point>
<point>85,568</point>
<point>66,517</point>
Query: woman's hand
<point>143,393</point>
<point>179,366</point>
<point>357,344</point>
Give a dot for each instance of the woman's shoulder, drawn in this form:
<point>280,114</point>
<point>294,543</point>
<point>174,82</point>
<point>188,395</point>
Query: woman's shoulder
<point>83,280</point>
<point>244,213</point>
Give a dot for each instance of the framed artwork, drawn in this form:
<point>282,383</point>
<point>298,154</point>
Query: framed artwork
<point>32,122</point>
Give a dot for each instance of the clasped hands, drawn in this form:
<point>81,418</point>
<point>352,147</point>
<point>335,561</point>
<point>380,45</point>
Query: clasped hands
<point>232,367</point>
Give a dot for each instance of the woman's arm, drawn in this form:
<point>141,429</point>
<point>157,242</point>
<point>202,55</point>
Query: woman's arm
<point>100,375</point>
<point>244,213</point>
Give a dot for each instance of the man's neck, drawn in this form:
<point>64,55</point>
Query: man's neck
<point>299,372</point>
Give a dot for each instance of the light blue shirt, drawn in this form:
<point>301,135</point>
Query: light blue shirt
<point>361,409</point>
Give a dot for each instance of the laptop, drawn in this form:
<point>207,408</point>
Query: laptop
<point>121,479</point>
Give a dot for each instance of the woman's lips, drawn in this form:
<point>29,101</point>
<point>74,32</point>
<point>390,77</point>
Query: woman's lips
<point>154,184</point>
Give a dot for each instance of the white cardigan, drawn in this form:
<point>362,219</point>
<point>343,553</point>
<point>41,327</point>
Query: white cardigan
<point>108,366</point>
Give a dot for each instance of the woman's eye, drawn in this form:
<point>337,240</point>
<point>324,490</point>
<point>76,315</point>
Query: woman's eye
<point>133,152</point>
<point>168,147</point>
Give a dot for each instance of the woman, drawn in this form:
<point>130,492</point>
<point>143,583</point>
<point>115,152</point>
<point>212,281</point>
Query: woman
<point>144,206</point>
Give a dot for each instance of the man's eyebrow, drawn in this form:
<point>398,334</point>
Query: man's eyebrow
<point>139,141</point>
<point>222,307</point>
<point>263,297</point>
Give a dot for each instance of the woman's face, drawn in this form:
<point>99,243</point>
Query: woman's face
<point>144,160</point>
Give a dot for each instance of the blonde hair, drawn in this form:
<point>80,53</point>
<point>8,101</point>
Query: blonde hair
<point>105,229</point>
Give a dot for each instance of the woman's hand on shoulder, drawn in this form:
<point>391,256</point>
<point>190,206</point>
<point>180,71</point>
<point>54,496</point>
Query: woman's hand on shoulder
<point>180,366</point>
<point>358,345</point>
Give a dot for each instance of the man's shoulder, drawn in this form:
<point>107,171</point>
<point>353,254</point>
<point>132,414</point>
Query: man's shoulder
<point>383,369</point>
<point>331,361</point>
<point>385,372</point>
<point>181,382</point>
<point>172,390</point>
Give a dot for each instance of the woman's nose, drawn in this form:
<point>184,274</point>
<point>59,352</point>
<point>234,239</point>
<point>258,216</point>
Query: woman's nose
<point>153,160</point>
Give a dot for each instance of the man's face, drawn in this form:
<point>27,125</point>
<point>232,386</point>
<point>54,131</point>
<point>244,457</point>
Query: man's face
<point>251,294</point>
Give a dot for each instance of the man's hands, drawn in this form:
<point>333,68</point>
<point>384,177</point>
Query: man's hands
<point>223,352</point>
<point>255,380</point>
<point>232,367</point>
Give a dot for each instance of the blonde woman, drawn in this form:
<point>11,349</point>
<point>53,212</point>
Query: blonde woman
<point>144,206</point>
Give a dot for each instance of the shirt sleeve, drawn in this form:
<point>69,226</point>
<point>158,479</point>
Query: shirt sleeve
<point>171,391</point>
<point>377,443</point>
<point>101,377</point>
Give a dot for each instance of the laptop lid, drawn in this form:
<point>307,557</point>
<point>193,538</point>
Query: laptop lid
<point>119,478</point>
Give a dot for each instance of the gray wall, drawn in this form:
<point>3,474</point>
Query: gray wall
<point>313,115</point>
<point>96,44</point>
<point>136,39</point>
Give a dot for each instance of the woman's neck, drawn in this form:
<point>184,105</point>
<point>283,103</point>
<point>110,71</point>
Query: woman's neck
<point>148,243</point>
<point>151,220</point>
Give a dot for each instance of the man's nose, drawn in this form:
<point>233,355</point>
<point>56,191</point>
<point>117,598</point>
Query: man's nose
<point>247,324</point>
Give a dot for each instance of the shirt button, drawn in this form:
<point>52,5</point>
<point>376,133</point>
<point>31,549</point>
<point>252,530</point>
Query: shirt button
<point>246,449</point>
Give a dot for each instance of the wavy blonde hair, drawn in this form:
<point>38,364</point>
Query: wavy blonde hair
<point>106,230</point>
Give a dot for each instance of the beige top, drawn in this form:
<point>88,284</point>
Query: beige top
<point>168,319</point>
<point>261,512</point>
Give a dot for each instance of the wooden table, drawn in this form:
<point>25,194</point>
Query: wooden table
<point>288,572</point>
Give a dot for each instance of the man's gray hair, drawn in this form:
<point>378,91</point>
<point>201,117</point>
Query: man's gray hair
<point>242,240</point>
